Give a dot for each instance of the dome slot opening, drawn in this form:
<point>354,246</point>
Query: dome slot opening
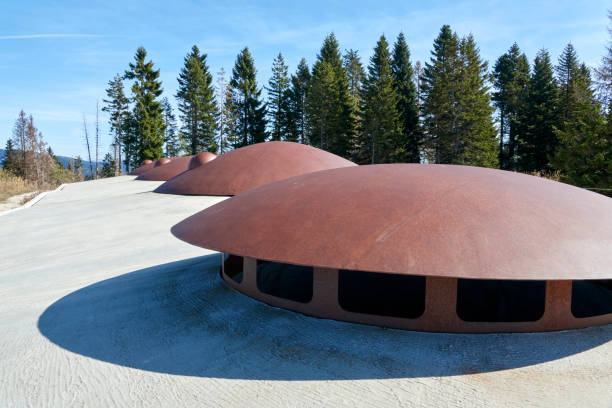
<point>381,294</point>
<point>286,281</point>
<point>233,267</point>
<point>591,297</point>
<point>488,300</point>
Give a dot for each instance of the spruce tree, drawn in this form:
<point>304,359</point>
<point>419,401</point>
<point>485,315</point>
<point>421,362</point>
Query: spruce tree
<point>108,166</point>
<point>440,87</point>
<point>356,78</point>
<point>380,123</point>
<point>172,147</point>
<point>584,155</point>
<point>11,158</point>
<point>329,107</point>
<point>147,116</point>
<point>511,81</point>
<point>278,99</point>
<point>567,71</point>
<point>250,124</point>
<point>405,88</point>
<point>457,106</point>
<point>298,118</point>
<point>540,142</point>
<point>475,142</point>
<point>118,109</point>
<point>196,104</point>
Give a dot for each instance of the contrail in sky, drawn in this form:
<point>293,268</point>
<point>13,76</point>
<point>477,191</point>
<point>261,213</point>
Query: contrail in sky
<point>29,36</point>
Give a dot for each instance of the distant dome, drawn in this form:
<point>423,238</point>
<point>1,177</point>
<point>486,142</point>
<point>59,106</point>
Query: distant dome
<point>200,159</point>
<point>146,166</point>
<point>166,168</point>
<point>473,249</point>
<point>162,161</point>
<point>252,166</point>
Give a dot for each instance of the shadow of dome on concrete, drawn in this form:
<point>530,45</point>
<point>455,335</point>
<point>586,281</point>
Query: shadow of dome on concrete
<point>181,318</point>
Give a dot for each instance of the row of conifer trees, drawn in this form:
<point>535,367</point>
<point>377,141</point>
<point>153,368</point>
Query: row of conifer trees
<point>453,109</point>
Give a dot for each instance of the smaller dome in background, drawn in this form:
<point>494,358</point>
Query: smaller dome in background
<point>162,161</point>
<point>144,167</point>
<point>200,159</point>
<point>252,166</point>
<point>166,168</point>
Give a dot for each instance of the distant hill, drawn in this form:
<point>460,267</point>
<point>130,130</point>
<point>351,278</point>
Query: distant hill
<point>63,159</point>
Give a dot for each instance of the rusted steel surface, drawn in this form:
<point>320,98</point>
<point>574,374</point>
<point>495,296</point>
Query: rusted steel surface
<point>166,168</point>
<point>252,166</point>
<point>200,159</point>
<point>440,313</point>
<point>431,220</point>
<point>146,166</point>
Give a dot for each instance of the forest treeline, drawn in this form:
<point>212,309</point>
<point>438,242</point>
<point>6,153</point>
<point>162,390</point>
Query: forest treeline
<point>543,117</point>
<point>531,117</point>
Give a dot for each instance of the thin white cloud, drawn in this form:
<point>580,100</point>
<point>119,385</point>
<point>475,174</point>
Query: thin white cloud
<point>30,36</point>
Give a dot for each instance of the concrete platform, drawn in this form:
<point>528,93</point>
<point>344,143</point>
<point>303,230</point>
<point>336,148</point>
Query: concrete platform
<point>101,306</point>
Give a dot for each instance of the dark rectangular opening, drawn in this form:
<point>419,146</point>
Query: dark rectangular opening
<point>591,297</point>
<point>232,266</point>
<point>482,300</point>
<point>381,294</point>
<point>287,281</point>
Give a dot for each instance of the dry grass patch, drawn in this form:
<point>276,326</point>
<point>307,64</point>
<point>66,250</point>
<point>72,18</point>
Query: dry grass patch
<point>11,185</point>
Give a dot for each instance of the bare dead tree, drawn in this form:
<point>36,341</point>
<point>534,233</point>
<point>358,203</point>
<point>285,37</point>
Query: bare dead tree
<point>87,143</point>
<point>97,137</point>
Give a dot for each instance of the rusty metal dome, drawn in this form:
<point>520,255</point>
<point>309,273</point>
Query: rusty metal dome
<point>434,220</point>
<point>252,166</point>
<point>420,247</point>
<point>144,167</point>
<point>201,159</point>
<point>166,168</point>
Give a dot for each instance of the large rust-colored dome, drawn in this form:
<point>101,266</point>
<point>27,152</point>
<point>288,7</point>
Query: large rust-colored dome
<point>252,166</point>
<point>420,247</point>
<point>146,166</point>
<point>437,220</point>
<point>166,168</point>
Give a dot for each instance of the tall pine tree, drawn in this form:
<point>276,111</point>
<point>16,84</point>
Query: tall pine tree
<point>405,88</point>
<point>475,142</point>
<point>381,126</point>
<point>172,145</point>
<point>329,107</point>
<point>298,118</point>
<point>456,109</point>
<point>567,71</point>
<point>278,99</point>
<point>196,104</point>
<point>440,87</point>
<point>511,81</point>
<point>117,108</point>
<point>250,125</point>
<point>356,78</point>
<point>584,155</point>
<point>540,142</point>
<point>147,117</point>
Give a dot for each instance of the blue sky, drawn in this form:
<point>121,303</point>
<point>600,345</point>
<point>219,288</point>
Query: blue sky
<point>56,57</point>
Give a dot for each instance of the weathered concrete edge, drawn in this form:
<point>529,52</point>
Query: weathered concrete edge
<point>33,201</point>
